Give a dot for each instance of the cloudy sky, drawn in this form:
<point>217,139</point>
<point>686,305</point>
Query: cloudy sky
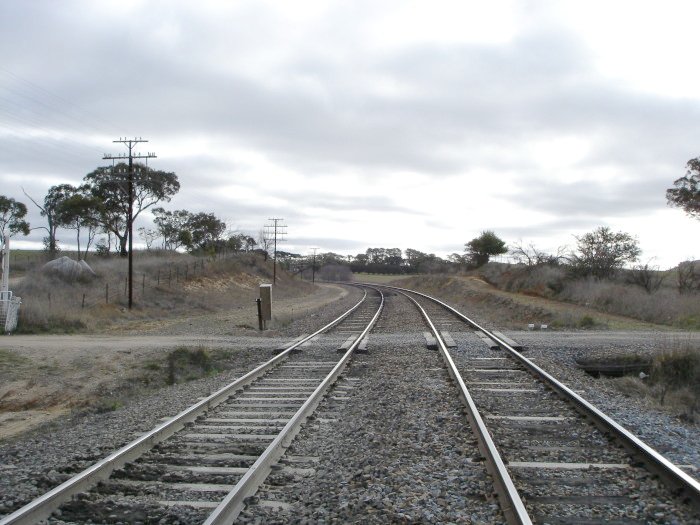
<point>364,123</point>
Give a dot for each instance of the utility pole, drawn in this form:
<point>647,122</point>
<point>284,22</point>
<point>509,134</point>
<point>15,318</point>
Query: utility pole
<point>130,144</point>
<point>313,265</point>
<point>5,261</point>
<point>276,229</point>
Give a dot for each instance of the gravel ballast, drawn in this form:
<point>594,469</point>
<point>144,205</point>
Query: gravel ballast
<point>389,444</point>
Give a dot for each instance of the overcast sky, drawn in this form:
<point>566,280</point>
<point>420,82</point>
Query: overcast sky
<point>364,123</point>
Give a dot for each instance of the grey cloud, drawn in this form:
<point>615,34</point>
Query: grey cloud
<point>590,199</point>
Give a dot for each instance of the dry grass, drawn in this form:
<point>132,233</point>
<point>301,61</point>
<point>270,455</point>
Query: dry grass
<point>165,285</point>
<point>664,306</point>
<point>673,384</point>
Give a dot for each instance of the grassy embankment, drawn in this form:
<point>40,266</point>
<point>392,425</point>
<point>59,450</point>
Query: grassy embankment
<point>166,285</point>
<point>616,296</point>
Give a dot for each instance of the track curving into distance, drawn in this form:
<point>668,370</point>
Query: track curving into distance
<point>566,460</point>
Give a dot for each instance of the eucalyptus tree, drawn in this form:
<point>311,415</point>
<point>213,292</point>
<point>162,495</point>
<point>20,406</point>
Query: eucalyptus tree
<point>109,184</point>
<point>480,249</point>
<point>53,199</point>
<point>80,211</point>
<point>686,191</point>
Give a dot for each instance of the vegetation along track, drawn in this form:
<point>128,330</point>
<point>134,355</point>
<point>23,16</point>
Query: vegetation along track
<point>200,465</point>
<point>566,461</point>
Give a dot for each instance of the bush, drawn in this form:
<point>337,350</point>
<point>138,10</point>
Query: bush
<point>678,370</point>
<point>186,364</point>
<point>673,381</point>
<point>665,306</point>
<point>586,322</point>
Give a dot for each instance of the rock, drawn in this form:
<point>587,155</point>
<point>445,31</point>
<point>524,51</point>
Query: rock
<point>87,271</point>
<point>69,270</point>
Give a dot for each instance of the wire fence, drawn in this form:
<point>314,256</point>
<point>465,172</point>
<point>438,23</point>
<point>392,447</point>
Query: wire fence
<point>150,279</point>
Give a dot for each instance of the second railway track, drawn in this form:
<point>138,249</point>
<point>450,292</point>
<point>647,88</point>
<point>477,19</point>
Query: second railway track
<point>567,463</point>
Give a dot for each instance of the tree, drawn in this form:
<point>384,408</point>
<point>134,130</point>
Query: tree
<point>204,229</point>
<point>237,242</point>
<point>688,277</point>
<point>264,241</point>
<point>601,252</point>
<point>418,261</point>
<point>109,184</point>
<point>149,235</point>
<point>530,255</point>
<point>686,194</point>
<point>12,221</point>
<point>172,226</point>
<point>480,249</point>
<point>54,197</point>
<point>647,276</point>
<point>80,211</point>
<point>456,258</point>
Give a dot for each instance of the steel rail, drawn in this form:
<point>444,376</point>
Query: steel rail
<point>511,504</point>
<point>234,502</point>
<point>41,507</point>
<point>689,486</point>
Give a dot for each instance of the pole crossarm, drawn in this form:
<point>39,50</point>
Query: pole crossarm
<point>277,229</point>
<point>130,143</point>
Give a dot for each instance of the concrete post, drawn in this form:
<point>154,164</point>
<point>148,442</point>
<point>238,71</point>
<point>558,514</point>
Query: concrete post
<point>266,302</point>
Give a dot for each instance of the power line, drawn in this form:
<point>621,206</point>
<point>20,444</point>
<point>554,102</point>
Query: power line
<point>277,230</point>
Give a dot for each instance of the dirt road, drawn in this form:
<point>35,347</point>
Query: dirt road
<point>46,376</point>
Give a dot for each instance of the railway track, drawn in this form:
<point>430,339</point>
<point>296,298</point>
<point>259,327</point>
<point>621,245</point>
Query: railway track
<point>200,465</point>
<point>563,460</point>
<point>390,442</point>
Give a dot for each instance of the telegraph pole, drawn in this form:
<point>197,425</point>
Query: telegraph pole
<point>277,229</point>
<point>130,144</point>
<point>313,265</point>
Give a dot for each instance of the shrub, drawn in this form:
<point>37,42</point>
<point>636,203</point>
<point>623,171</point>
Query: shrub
<point>187,364</point>
<point>678,370</point>
<point>586,322</point>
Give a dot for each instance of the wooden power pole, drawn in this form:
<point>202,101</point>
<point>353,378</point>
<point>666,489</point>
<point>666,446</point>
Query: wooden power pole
<point>130,144</point>
<point>277,231</point>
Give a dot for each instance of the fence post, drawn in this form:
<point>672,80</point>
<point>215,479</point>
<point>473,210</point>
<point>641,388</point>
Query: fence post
<point>49,300</point>
<point>107,293</point>
<point>158,276</point>
<point>83,303</point>
<point>143,284</point>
